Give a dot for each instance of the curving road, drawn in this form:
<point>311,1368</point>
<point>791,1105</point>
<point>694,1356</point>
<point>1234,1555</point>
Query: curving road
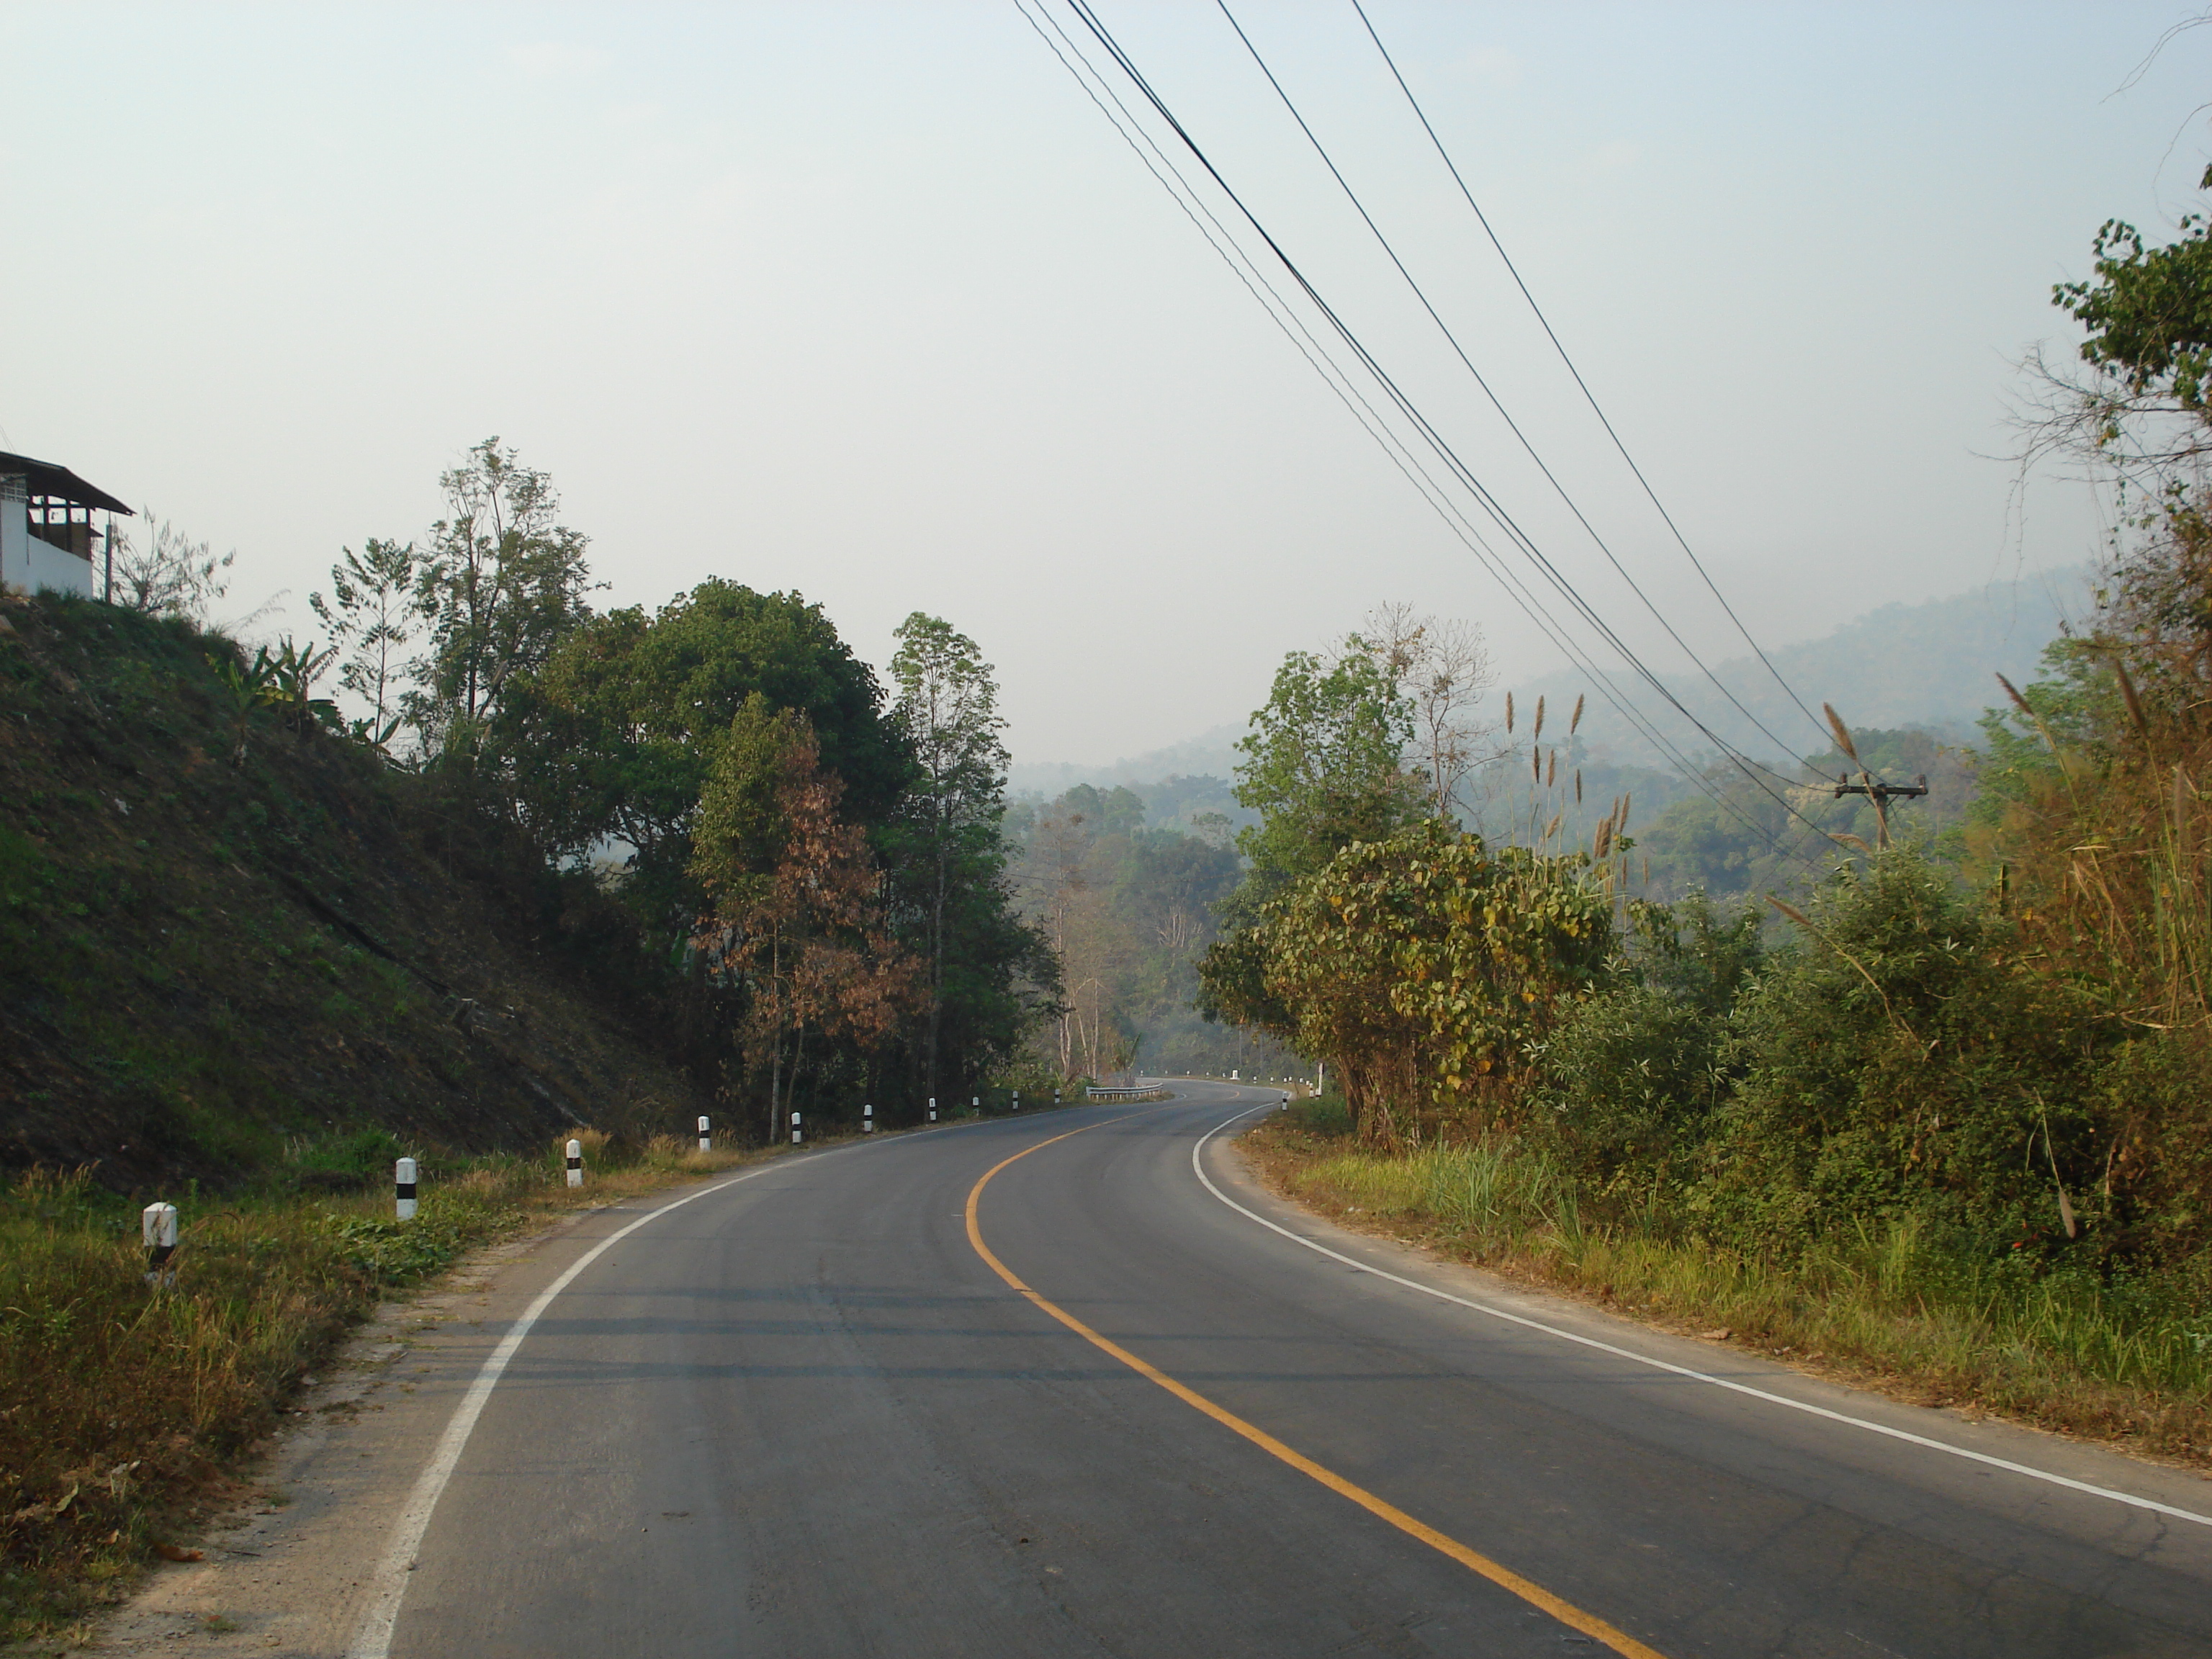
<point>801,1413</point>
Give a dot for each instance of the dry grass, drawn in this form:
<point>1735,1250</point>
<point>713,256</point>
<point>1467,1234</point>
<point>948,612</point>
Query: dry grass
<point>123,1402</point>
<point>1890,1310</point>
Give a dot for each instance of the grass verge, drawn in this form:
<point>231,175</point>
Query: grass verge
<point>124,1403</point>
<point>1894,1307</point>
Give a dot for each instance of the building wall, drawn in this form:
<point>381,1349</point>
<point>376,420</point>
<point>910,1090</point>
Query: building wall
<point>27,564</point>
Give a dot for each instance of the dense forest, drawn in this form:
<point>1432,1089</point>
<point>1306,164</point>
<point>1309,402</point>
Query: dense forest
<point>1129,907</point>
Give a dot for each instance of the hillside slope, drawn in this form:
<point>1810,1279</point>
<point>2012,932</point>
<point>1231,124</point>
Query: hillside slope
<point>1931,666</point>
<point>215,961</point>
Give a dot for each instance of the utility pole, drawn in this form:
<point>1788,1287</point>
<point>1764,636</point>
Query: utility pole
<point>1881,794</point>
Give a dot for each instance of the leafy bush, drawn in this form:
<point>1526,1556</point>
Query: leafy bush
<point>1628,1085</point>
<point>1423,967</point>
<point>1902,1056</point>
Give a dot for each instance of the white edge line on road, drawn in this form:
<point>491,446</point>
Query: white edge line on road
<point>373,1636</point>
<point>2006,1464</point>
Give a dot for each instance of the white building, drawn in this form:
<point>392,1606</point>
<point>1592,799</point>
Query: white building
<point>47,537</point>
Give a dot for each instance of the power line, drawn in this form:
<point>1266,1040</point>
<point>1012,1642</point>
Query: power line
<point>1513,270</point>
<point>1372,422</point>
<point>1434,439</point>
<point>1467,362</point>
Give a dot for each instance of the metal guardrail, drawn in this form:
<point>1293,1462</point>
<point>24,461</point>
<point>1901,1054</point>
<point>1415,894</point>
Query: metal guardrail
<point>1148,1091</point>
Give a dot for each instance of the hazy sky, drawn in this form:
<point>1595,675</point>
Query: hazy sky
<point>872,302</point>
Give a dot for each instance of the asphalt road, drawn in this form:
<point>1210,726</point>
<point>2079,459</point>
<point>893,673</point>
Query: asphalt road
<point>802,1415</point>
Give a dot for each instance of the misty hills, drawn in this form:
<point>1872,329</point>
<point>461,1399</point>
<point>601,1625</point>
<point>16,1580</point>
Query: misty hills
<point>1929,666</point>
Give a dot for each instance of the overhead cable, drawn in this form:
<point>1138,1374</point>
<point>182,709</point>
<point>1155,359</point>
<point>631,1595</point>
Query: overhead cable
<point>1491,508</point>
<point>1483,219</point>
<point>1255,281</point>
<point>1504,414</point>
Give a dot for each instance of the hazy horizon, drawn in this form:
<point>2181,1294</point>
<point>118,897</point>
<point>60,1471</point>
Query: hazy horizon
<point>871,302</point>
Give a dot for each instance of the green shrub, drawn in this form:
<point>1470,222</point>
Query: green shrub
<point>1901,1057</point>
<point>1630,1083</point>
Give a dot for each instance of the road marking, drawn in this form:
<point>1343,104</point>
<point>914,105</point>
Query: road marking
<point>373,1636</point>
<point>1494,1312</point>
<point>1535,1594</point>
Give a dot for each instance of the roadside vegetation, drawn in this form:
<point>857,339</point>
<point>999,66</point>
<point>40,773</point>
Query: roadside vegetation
<point>129,1399</point>
<point>1937,1107</point>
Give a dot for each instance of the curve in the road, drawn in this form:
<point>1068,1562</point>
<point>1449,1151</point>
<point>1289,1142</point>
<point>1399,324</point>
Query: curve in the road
<point>824,1417</point>
<point>1504,1576</point>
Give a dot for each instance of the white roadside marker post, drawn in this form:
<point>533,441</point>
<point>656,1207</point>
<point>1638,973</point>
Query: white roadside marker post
<point>403,1188</point>
<point>975,1103</point>
<point>932,1109</point>
<point>575,1164</point>
<point>705,1138</point>
<point>1055,1096</point>
<point>1018,1100</point>
<point>158,1224</point>
<point>795,1129</point>
<point>867,1119</point>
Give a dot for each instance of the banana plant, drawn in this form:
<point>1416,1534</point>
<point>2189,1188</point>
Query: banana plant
<point>282,683</point>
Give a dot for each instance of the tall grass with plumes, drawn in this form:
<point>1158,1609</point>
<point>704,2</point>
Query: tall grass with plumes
<point>2096,835</point>
<point>1900,1299</point>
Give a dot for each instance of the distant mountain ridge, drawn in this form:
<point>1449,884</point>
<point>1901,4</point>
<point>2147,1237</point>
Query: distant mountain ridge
<point>1932,667</point>
<point>1210,753</point>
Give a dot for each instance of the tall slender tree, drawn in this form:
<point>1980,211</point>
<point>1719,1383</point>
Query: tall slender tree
<point>947,710</point>
<point>370,614</point>
<point>504,582</point>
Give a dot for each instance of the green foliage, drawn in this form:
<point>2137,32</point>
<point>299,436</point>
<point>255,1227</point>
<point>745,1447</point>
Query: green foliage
<point>502,585</point>
<point>1422,969</point>
<point>1903,1057</point>
<point>2150,313</point>
<point>370,613</point>
<point>1629,1083</point>
<point>613,739</point>
<point>1323,765</point>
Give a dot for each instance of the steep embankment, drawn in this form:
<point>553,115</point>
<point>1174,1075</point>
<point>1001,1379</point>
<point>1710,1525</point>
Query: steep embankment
<point>215,960</point>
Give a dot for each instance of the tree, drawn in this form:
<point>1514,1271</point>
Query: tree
<point>1422,969</point>
<point>370,613</point>
<point>172,576</point>
<point>502,585</point>
<point>947,711</point>
<point>615,736</point>
<point>2148,402</point>
<point>1442,669</point>
<point>1324,767</point>
<point>797,925</point>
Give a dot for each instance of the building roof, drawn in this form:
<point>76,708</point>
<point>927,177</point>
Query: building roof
<point>47,479</point>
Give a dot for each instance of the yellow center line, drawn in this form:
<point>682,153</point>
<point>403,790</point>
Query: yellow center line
<point>1504,1576</point>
